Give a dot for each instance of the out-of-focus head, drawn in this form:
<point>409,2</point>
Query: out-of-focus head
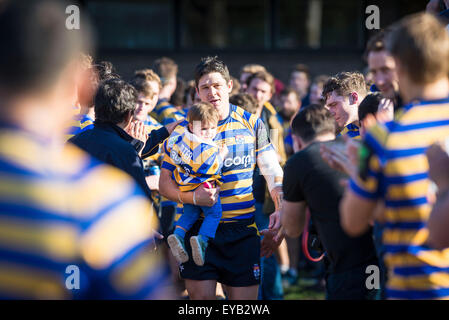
<point>261,87</point>
<point>178,97</point>
<point>167,70</point>
<point>40,57</point>
<point>151,77</point>
<point>115,101</point>
<point>203,120</point>
<point>191,95</point>
<point>343,94</point>
<point>246,71</point>
<point>213,83</point>
<point>382,67</point>
<point>309,123</point>
<point>290,102</point>
<point>300,79</point>
<point>146,98</point>
<point>369,105</point>
<point>245,101</point>
<point>419,44</point>
<point>316,89</point>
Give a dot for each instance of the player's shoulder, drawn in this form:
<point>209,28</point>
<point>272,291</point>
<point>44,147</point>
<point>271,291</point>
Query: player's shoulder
<point>243,116</point>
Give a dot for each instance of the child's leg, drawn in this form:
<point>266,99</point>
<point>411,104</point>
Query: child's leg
<point>189,216</point>
<point>212,216</point>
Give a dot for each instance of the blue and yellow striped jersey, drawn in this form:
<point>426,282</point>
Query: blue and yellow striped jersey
<point>351,130</point>
<point>150,125</point>
<point>245,136</point>
<point>395,169</point>
<point>166,113</point>
<point>64,215</point>
<point>196,160</point>
<point>81,123</point>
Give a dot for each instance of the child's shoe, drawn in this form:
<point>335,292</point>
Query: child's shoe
<point>176,244</point>
<point>199,246</point>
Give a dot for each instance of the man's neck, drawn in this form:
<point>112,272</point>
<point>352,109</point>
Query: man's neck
<point>224,111</point>
<point>436,90</point>
<point>89,111</point>
<point>321,138</point>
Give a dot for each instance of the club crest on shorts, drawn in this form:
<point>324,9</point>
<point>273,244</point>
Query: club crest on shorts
<point>256,271</point>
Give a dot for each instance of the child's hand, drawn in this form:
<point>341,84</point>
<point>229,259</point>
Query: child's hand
<point>223,151</point>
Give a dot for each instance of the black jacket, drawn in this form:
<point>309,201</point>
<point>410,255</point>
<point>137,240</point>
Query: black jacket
<point>111,144</point>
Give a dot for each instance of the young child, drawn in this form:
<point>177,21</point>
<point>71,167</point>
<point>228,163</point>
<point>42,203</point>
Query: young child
<point>198,160</point>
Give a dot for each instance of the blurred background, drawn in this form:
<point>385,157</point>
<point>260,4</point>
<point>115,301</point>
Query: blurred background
<point>327,35</point>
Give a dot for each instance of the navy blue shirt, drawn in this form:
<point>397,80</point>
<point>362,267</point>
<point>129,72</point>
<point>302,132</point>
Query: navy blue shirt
<point>111,144</point>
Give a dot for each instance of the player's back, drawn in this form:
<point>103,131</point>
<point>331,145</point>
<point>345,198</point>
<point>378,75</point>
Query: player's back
<point>72,227</point>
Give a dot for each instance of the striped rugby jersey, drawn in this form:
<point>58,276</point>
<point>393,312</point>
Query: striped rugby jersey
<point>150,125</point>
<point>166,113</point>
<point>81,123</point>
<point>62,209</point>
<point>351,130</point>
<point>245,136</point>
<point>395,169</point>
<point>196,160</point>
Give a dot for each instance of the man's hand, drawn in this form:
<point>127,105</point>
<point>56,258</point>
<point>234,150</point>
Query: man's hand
<point>206,197</point>
<point>171,126</point>
<point>275,221</point>
<point>137,130</point>
<point>270,242</point>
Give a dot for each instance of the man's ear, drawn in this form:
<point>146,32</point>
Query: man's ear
<point>297,143</point>
<point>230,85</point>
<point>353,97</point>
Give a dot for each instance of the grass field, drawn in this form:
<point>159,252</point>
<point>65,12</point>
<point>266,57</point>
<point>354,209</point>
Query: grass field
<point>305,289</point>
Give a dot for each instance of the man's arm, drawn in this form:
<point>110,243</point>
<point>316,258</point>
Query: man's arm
<point>169,189</point>
<point>438,224</point>
<point>293,217</point>
<point>356,213</point>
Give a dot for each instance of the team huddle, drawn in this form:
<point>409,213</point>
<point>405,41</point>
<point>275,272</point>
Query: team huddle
<point>155,188</point>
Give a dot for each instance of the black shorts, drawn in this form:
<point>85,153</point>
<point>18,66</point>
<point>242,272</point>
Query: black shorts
<point>167,220</point>
<point>232,257</point>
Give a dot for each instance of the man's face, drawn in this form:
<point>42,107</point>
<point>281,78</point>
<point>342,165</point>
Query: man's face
<point>213,88</point>
<point>341,109</point>
<point>299,82</point>
<point>243,77</point>
<point>383,70</point>
<point>315,93</point>
<point>290,104</point>
<point>261,90</point>
<point>144,106</point>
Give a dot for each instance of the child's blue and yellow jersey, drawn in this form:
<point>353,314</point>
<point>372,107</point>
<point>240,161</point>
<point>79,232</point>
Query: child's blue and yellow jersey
<point>196,160</point>
<point>166,113</point>
<point>351,130</point>
<point>61,209</point>
<point>394,168</point>
<point>81,123</point>
<point>246,137</point>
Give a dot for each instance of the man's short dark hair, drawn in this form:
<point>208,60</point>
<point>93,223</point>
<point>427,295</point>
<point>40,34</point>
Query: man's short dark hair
<point>312,121</point>
<point>115,101</point>
<point>244,101</point>
<point>375,44</point>
<point>36,45</point>
<point>369,105</point>
<point>209,65</point>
